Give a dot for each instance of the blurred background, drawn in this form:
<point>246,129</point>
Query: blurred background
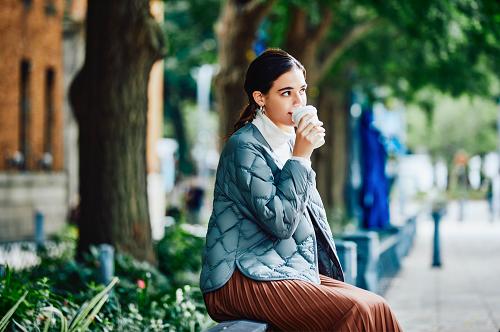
<point>113,115</point>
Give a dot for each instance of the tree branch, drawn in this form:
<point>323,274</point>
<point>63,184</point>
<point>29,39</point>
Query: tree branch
<point>322,29</point>
<point>303,43</point>
<point>257,7</point>
<point>298,26</point>
<point>349,39</point>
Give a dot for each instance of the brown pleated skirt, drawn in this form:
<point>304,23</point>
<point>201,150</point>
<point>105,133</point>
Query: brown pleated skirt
<point>296,305</point>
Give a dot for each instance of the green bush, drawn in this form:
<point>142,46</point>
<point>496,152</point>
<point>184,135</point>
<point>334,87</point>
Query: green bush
<point>179,255</point>
<point>36,308</point>
<point>144,300</point>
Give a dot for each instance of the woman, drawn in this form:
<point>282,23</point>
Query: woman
<point>269,253</point>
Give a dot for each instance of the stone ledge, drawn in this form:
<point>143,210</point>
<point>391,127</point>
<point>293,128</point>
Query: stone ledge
<point>239,326</point>
<point>10,179</point>
<point>21,194</point>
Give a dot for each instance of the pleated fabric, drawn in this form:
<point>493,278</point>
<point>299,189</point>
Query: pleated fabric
<point>296,305</point>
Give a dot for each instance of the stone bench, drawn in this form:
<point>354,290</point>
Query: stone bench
<point>239,326</point>
<point>379,254</point>
<point>347,252</point>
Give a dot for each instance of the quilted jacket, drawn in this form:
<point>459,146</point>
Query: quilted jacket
<point>268,222</point>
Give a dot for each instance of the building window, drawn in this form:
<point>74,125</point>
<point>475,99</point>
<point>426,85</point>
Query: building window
<point>50,8</point>
<point>24,114</point>
<point>27,3</point>
<point>46,161</point>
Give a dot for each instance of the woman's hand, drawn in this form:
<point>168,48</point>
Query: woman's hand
<point>308,135</point>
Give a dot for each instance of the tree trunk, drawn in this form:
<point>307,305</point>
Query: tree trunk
<point>235,30</point>
<point>109,97</point>
<point>322,156</point>
<point>330,161</point>
<point>304,41</point>
<point>338,140</point>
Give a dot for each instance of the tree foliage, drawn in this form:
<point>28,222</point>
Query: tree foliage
<point>453,46</point>
<point>448,132</point>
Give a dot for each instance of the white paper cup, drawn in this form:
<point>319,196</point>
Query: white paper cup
<point>297,115</point>
<point>301,111</point>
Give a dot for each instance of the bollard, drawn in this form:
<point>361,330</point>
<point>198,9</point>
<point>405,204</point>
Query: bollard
<point>106,262</point>
<point>461,209</point>
<point>436,252</point>
<point>39,229</point>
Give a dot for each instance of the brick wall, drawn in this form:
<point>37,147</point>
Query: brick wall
<point>30,30</point>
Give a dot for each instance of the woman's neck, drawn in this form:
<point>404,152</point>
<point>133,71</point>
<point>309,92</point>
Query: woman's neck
<point>286,129</point>
<point>272,132</point>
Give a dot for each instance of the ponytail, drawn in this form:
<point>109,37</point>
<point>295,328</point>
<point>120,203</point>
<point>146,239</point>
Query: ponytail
<point>246,115</point>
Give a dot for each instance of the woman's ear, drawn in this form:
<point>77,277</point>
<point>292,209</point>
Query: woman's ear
<point>258,97</point>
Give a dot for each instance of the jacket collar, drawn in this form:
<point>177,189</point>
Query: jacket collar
<point>258,136</point>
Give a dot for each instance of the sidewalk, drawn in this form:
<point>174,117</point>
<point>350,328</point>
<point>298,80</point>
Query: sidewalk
<point>464,294</point>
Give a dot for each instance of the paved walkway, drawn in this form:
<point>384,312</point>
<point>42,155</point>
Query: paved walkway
<point>464,294</point>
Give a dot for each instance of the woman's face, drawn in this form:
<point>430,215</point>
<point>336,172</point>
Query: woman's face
<point>286,93</point>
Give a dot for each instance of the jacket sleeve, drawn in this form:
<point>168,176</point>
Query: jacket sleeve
<point>275,204</point>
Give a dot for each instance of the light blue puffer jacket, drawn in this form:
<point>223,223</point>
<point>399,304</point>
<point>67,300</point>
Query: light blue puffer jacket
<point>267,221</point>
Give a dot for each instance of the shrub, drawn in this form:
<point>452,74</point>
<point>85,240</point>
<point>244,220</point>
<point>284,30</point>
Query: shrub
<point>144,300</point>
<point>37,311</point>
<point>179,255</point>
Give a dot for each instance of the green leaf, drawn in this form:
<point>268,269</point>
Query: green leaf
<point>19,326</point>
<point>87,307</point>
<point>46,326</point>
<point>64,321</point>
<point>5,319</point>
<point>93,314</point>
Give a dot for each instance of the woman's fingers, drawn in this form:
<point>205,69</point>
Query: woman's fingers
<point>306,126</point>
<point>317,140</point>
<point>313,136</point>
<point>309,135</point>
<point>316,131</point>
<point>304,122</point>
<point>308,129</point>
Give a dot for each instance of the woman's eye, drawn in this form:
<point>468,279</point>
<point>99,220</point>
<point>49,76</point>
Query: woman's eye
<point>286,93</point>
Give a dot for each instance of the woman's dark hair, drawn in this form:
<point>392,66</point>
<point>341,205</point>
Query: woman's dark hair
<point>261,73</point>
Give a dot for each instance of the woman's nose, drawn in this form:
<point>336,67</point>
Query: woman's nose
<point>297,100</point>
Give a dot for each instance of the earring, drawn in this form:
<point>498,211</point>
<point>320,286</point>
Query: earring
<point>262,109</point>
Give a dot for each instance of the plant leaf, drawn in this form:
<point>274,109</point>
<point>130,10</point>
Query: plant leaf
<point>64,321</point>
<point>5,319</point>
<point>86,308</point>
<point>92,315</point>
<point>46,326</point>
<point>19,326</point>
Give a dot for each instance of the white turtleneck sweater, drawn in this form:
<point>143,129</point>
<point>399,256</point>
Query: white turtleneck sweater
<point>280,141</point>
